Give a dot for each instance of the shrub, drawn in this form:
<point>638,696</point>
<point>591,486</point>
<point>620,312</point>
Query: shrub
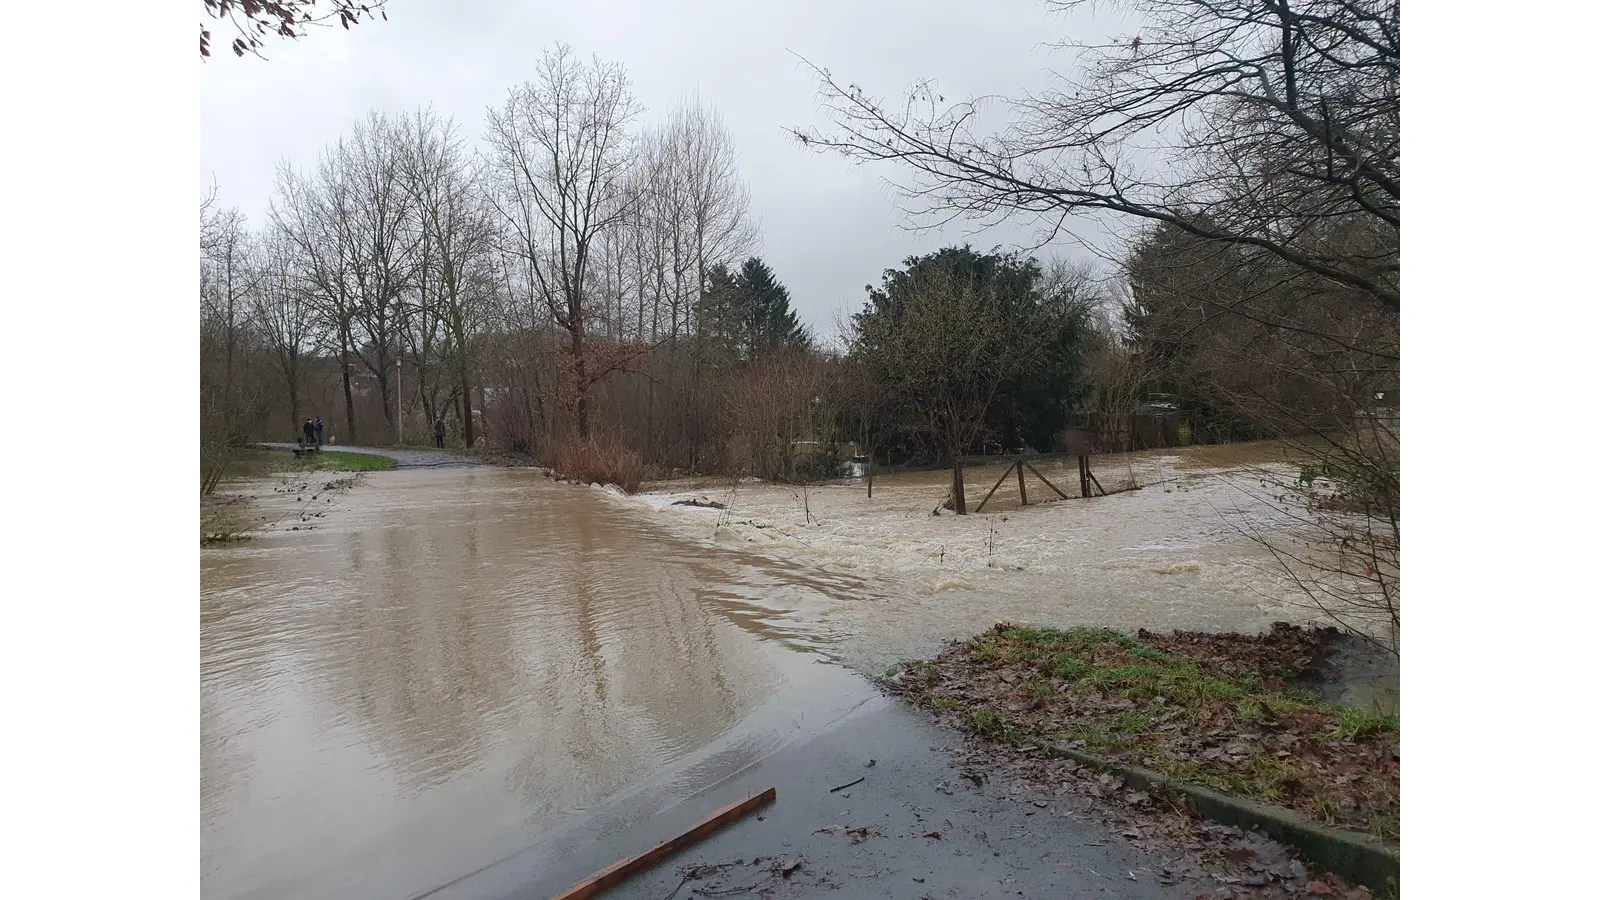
<point>600,461</point>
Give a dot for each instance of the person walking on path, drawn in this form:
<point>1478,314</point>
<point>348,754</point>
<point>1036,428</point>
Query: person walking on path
<point>438,433</point>
<point>319,432</point>
<point>308,434</point>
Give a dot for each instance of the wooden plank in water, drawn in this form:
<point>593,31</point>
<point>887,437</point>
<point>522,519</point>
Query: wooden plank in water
<point>609,877</point>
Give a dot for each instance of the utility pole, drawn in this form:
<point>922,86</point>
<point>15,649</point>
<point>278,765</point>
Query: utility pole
<point>399,411</point>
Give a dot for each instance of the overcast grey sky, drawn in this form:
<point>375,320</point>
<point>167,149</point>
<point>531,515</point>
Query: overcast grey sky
<point>829,228</point>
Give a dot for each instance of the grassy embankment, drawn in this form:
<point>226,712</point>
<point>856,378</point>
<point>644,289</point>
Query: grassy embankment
<point>1223,711</point>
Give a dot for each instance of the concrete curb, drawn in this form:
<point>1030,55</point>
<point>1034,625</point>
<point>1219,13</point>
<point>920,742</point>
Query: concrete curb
<point>1355,857</point>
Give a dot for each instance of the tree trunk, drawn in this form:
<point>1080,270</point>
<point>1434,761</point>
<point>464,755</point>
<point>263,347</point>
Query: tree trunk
<point>383,393</point>
<point>349,398</point>
<point>581,376</point>
<point>466,405</point>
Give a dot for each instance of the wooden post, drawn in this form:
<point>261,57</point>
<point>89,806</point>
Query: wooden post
<point>1083,477</point>
<point>1021,488</point>
<point>869,474</point>
<point>598,883</point>
<point>1090,472</point>
<point>959,488</point>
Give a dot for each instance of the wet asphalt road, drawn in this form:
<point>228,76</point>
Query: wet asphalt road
<point>989,843</point>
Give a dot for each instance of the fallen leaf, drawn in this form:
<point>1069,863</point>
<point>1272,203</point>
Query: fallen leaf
<point>1239,854</point>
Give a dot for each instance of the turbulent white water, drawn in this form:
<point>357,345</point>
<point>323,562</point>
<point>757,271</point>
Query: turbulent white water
<point>1186,551</point>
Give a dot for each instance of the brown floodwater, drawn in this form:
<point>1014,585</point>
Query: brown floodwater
<point>454,664</point>
<point>455,667</point>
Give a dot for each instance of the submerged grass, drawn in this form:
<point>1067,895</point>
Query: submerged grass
<point>343,461</point>
<point>1212,710</point>
<point>253,462</point>
<point>226,515</point>
<point>221,523</point>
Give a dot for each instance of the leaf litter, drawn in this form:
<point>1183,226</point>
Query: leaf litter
<point>1194,694</point>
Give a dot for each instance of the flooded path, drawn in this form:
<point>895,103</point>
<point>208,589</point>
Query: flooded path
<point>456,662</point>
<point>462,676</point>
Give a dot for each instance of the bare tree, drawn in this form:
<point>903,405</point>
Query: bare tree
<point>776,404</point>
<point>561,149</point>
<point>713,208</point>
<point>371,214</point>
<point>230,272</point>
<point>1237,121</point>
<point>1119,382</point>
<point>284,314</point>
<point>715,197</point>
<point>455,239</point>
<point>307,212</point>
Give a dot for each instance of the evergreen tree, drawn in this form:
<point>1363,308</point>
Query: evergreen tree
<point>768,322</point>
<point>1034,400</point>
<point>722,310</point>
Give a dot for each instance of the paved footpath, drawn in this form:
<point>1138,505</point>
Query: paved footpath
<point>405,459</point>
<point>907,827</point>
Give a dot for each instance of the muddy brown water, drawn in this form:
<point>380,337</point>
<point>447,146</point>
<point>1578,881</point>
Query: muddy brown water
<point>454,664</point>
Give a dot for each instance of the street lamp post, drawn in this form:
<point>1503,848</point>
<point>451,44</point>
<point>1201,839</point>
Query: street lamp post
<point>399,411</point>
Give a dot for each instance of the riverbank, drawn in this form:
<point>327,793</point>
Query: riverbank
<point>1235,713</point>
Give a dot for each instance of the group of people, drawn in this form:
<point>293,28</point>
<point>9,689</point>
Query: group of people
<point>311,433</point>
